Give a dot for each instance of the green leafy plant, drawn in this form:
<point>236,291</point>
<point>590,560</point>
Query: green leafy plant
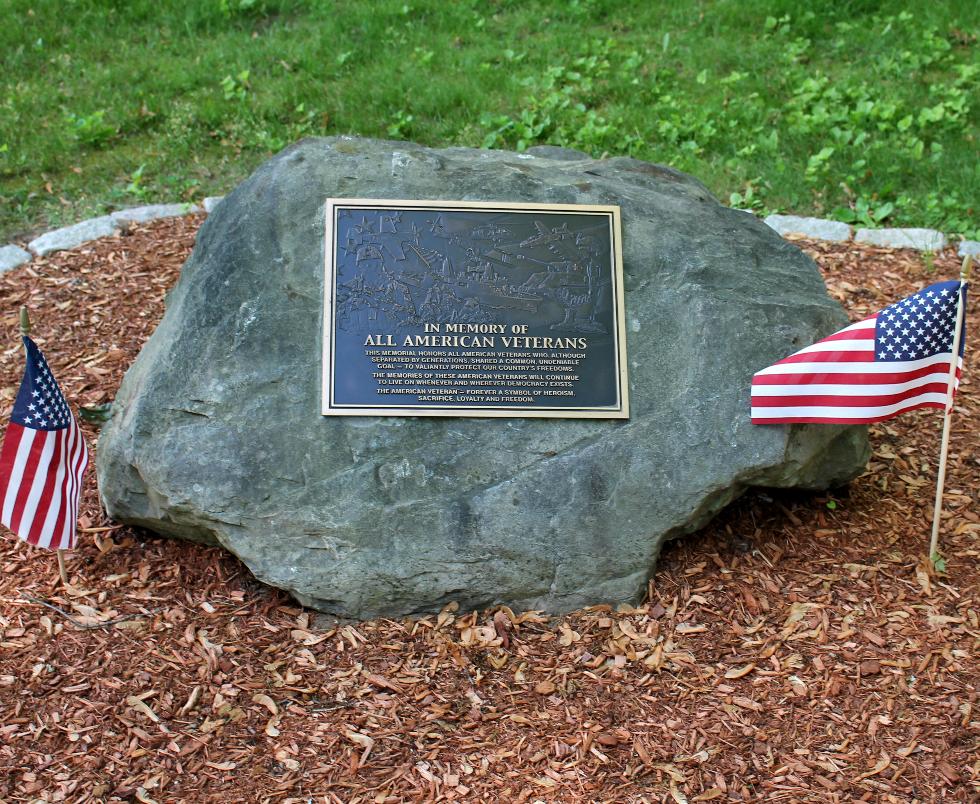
<point>864,212</point>
<point>268,141</point>
<point>777,25</point>
<point>96,415</point>
<point>136,187</point>
<point>236,87</point>
<point>184,187</point>
<point>746,198</point>
<point>817,164</point>
<point>91,129</point>
<point>401,126</point>
<point>233,8</point>
<point>423,55</point>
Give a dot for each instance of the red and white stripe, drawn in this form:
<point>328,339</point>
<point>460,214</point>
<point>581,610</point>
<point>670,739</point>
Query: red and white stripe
<point>40,483</point>
<point>838,380</point>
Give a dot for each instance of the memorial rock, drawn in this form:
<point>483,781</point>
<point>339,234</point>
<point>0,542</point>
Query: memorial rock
<point>216,434</point>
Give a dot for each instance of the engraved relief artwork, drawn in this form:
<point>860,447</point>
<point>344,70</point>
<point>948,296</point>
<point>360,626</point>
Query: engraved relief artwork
<point>407,267</point>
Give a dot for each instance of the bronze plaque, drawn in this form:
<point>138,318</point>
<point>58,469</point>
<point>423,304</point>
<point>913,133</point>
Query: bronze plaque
<point>456,308</point>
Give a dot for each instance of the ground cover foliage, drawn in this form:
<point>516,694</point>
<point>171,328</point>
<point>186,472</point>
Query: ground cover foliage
<point>797,649</point>
<point>859,110</point>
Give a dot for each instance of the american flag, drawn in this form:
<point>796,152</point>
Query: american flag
<point>42,461</point>
<point>896,360</point>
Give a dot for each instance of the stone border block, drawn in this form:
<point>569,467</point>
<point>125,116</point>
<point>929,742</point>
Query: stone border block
<point>71,236</point>
<point>153,212</point>
<point>920,239</point>
<point>817,228</point>
<point>211,202</point>
<point>11,256</point>
<point>971,247</point>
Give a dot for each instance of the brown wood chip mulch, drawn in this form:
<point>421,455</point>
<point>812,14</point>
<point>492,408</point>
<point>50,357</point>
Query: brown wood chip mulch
<point>797,649</point>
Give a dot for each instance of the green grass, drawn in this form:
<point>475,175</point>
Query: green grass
<point>853,109</point>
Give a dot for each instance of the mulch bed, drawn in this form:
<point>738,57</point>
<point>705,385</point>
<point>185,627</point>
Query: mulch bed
<point>797,649</point>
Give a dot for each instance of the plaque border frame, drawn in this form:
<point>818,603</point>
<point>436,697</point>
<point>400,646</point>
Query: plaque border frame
<point>328,408</point>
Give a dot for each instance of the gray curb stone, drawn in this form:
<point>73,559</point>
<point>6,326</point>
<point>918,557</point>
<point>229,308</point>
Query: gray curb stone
<point>153,212</point>
<point>809,227</point>
<point>211,202</point>
<point>11,256</point>
<point>72,236</point>
<point>921,239</point>
<point>971,247</point>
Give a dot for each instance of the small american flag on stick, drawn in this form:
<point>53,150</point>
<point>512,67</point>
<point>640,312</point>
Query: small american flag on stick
<point>896,360</point>
<point>42,461</point>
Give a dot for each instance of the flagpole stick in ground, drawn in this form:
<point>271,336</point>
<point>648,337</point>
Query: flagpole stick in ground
<point>948,415</point>
<point>25,330</point>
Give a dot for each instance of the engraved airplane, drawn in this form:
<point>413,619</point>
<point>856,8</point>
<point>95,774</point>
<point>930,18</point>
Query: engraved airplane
<point>546,236</point>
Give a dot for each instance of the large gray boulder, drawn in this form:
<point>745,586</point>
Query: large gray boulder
<point>216,434</point>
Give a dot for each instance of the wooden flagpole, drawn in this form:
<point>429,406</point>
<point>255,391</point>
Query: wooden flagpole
<point>25,330</point>
<point>948,413</point>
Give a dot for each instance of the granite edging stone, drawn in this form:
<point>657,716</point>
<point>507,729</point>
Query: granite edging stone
<point>969,247</point>
<point>153,212</point>
<point>73,236</point>
<point>11,256</point>
<point>809,227</point>
<point>919,239</point>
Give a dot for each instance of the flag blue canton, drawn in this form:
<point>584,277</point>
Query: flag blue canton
<point>919,326</point>
<point>39,404</point>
